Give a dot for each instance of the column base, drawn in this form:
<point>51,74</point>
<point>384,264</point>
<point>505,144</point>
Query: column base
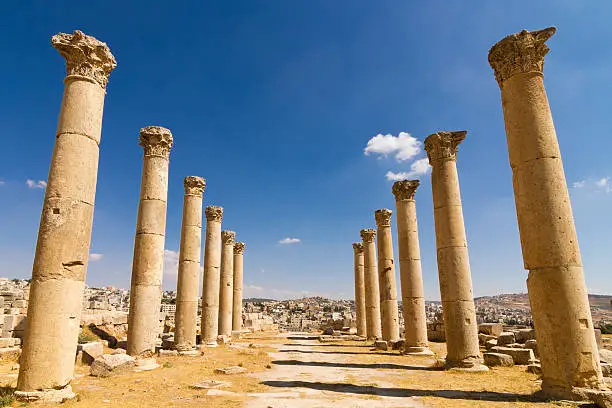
<point>146,364</point>
<point>417,351</point>
<point>469,365</point>
<point>601,397</point>
<point>208,345</point>
<point>191,353</point>
<point>48,395</point>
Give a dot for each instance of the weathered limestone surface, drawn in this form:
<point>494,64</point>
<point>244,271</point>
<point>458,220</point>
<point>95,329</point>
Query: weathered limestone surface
<point>212,266</point>
<point>411,277</point>
<point>360,307</point>
<point>238,279</point>
<point>186,316</point>
<point>226,290</point>
<point>148,265</point>
<point>556,285</point>
<point>372,294</point>
<point>386,276</point>
<point>64,235</point>
<point>452,252</point>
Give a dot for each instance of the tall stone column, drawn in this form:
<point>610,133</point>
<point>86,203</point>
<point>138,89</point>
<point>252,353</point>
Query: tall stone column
<point>411,278</point>
<point>186,316</point>
<point>212,266</point>
<point>556,285</point>
<point>372,294</point>
<point>386,276</point>
<point>360,307</point>
<point>453,261</point>
<point>62,249</point>
<point>148,264</point>
<point>238,277</point>
<point>226,290</point>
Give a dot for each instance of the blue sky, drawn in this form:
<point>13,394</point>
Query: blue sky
<point>274,102</point>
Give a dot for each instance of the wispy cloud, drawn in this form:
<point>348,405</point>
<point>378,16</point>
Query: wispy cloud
<point>1,182</point>
<point>418,168</point>
<point>600,185</point>
<point>289,241</point>
<point>171,260</point>
<point>403,146</point>
<point>95,257</point>
<point>36,184</point>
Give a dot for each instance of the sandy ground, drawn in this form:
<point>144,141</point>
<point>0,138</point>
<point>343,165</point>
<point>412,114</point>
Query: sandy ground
<point>296,370</point>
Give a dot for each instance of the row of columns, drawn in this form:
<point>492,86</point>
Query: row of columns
<point>62,250</point>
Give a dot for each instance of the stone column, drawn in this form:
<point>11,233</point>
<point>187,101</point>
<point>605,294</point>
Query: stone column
<point>453,262</point>
<point>556,285</point>
<point>386,276</point>
<point>186,316</point>
<point>226,290</point>
<point>411,278</point>
<point>238,276</point>
<point>148,264</point>
<point>212,266</point>
<point>360,307</point>
<point>62,249</point>
<point>372,294</point>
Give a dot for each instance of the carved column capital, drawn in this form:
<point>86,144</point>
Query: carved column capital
<point>85,56</point>
<point>443,145</point>
<point>228,237</point>
<point>156,141</point>
<point>383,217</point>
<point>405,189</point>
<point>368,234</point>
<point>358,247</point>
<point>194,185</point>
<point>213,213</point>
<point>520,53</point>
<point>239,247</point>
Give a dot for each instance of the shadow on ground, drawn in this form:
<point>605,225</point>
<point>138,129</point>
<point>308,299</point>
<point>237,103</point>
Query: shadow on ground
<point>405,392</point>
<point>354,365</point>
<point>327,345</point>
<point>364,353</point>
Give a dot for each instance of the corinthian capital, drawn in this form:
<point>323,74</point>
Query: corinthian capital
<point>194,185</point>
<point>520,53</point>
<point>213,213</point>
<point>228,237</point>
<point>85,56</point>
<point>405,189</point>
<point>239,248</point>
<point>443,145</point>
<point>156,141</point>
<point>358,247</point>
<point>368,234</point>
<point>383,217</point>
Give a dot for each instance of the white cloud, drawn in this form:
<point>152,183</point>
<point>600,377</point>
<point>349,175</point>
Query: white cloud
<point>404,146</point>
<point>598,185</point>
<point>171,260</point>
<point>579,184</point>
<point>290,241</point>
<point>36,184</point>
<point>418,168</point>
<point>603,182</point>
<point>95,257</point>
<point>1,182</point>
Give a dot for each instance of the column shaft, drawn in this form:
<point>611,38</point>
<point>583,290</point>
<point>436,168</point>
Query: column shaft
<point>148,264</point>
<point>386,277</point>
<point>413,300</point>
<point>372,294</point>
<point>226,290</point>
<point>452,253</point>
<point>212,266</point>
<point>62,249</point>
<point>186,316</point>
<point>360,307</point>
<point>238,277</point>
<point>556,284</point>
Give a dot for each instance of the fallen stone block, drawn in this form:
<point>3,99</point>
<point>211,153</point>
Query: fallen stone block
<point>483,338</point>
<point>210,384</point>
<point>112,364</point>
<point>489,344</point>
<point>223,339</point>
<point>605,356</point>
<point>506,338</point>
<point>606,369</point>
<point>10,353</point>
<point>532,344</point>
<point>7,342</point>
<point>491,329</point>
<point>522,335</point>
<point>167,353</point>
<point>498,360</point>
<point>91,351</point>
<point>381,345</point>
<point>397,345</point>
<point>534,368</point>
<point>520,356</point>
<point>231,370</point>
<point>119,351</point>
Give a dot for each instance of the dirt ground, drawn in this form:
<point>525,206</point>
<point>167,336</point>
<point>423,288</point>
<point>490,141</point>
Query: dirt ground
<point>294,370</point>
